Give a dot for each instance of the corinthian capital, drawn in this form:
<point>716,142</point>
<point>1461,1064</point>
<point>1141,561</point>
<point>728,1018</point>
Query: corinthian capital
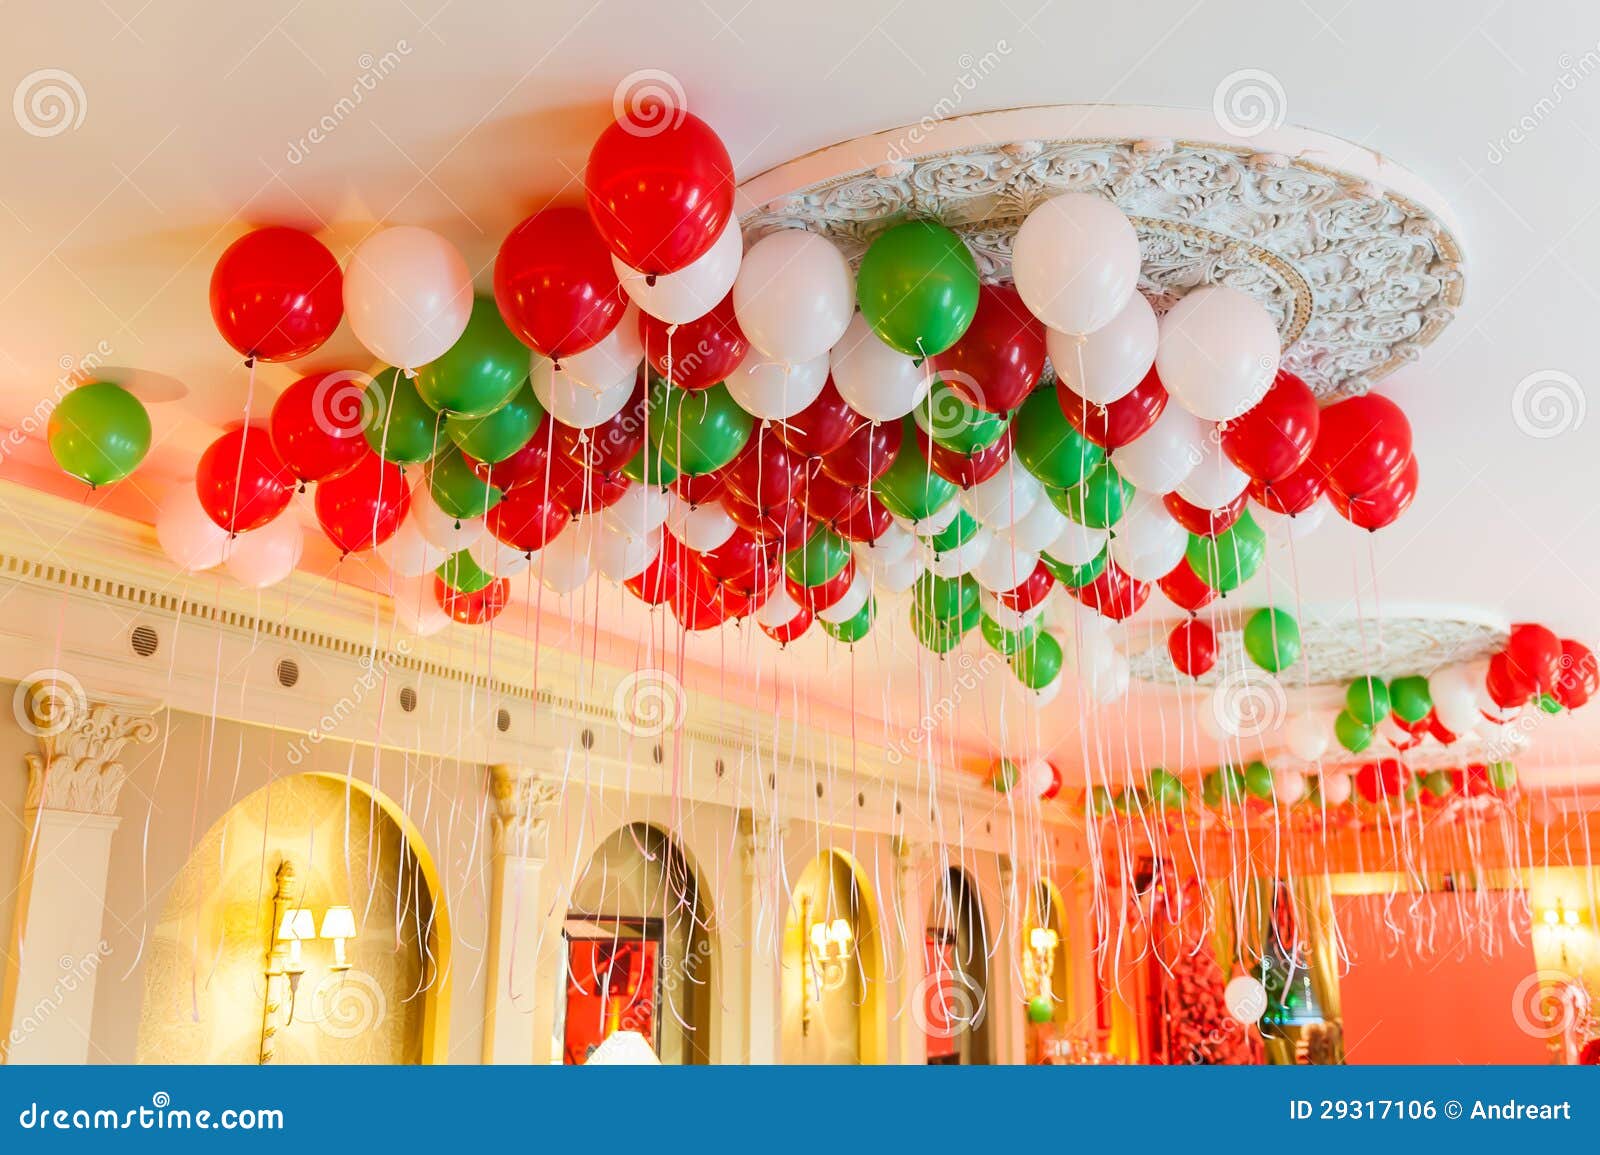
<point>78,766</point>
<point>522,805</point>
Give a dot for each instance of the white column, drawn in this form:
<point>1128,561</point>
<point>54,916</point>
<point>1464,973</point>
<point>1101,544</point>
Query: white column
<point>522,806</point>
<point>912,862</point>
<point>57,941</point>
<point>1005,1002</point>
<point>765,914</point>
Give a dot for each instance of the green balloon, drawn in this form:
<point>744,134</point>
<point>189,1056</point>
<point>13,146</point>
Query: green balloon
<point>1410,788</point>
<point>1101,802</point>
<point>1075,576</point>
<point>1040,1010</point>
<point>702,429</point>
<point>647,466</point>
<point>1439,784</point>
<point>938,635</point>
<point>99,433</point>
<point>1230,559</point>
<point>1502,775</point>
<point>1410,698</point>
<point>970,617</point>
<point>856,628</point>
<point>1047,444</point>
<point>1039,664</point>
<point>956,423</point>
<point>1367,700</point>
<point>1272,639</point>
<point>1353,734</point>
<point>1007,642</point>
<point>481,371</point>
<point>1099,501</point>
<point>1166,788</point>
<point>461,572</point>
<point>1224,784</point>
<point>1131,800</point>
<point>498,435</point>
<point>918,287</point>
<point>1006,776</point>
<point>456,490</point>
<point>944,598</point>
<point>1549,704</point>
<point>401,427</point>
<point>909,488</point>
<point>1258,780</point>
<point>820,558</point>
<point>961,530</point>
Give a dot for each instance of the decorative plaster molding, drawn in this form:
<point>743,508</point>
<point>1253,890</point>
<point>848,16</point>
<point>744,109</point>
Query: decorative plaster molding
<point>78,768</point>
<point>523,802</point>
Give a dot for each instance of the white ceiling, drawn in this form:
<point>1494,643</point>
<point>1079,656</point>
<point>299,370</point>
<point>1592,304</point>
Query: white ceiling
<point>190,110</point>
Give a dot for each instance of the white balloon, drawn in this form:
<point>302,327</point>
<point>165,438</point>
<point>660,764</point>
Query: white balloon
<point>892,545</point>
<point>1284,527</point>
<point>1105,365</point>
<point>1160,458</point>
<point>1077,544</point>
<point>1307,735</point>
<point>1004,616</point>
<point>794,295</point>
<point>778,610</point>
<point>1288,786</point>
<point>961,560</point>
<point>880,383</point>
<point>702,527</point>
<point>186,532</point>
<point>1455,698</point>
<point>408,553</point>
<point>1041,697</point>
<point>938,521</point>
<point>566,562</point>
<point>1148,542</point>
<point>1004,567</point>
<point>438,527</point>
<point>497,558</point>
<point>776,390</point>
<point>1106,680</point>
<point>613,360</point>
<point>1039,527</point>
<point>897,577</point>
<point>1038,776</point>
<point>573,403</point>
<point>692,291</point>
<point>1215,480</point>
<point>264,557</point>
<point>1335,788</point>
<point>1075,261</point>
<point>417,610</point>
<point>407,295</point>
<point>1004,499</point>
<point>1218,352</point>
<point>847,607</point>
<point>620,556</point>
<point>640,510</point>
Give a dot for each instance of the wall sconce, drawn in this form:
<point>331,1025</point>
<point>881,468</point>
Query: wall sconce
<point>828,947</point>
<point>292,925</point>
<point>1563,925</point>
<point>339,924</point>
<point>1039,962</point>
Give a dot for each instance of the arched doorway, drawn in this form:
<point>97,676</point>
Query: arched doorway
<point>305,927</point>
<point>832,983</point>
<point>638,945</point>
<point>955,988</point>
<point>1046,977</point>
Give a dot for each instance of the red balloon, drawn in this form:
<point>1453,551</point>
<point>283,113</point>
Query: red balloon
<point>865,454</point>
<point>824,498</point>
<point>822,426</point>
<point>1363,444</point>
<point>316,425</point>
<point>966,470</point>
<point>661,576</point>
<point>1436,728</point>
<point>733,559</point>
<point>867,520</point>
<point>824,595</point>
<point>1033,590</point>
<point>1184,588</point>
<point>1382,506</point>
<point>1383,777</point>
<point>764,473</point>
<point>697,601</point>
<point>1203,522</point>
<point>703,351</point>
<point>699,490</point>
<point>1472,780</point>
<point>1114,594</point>
<point>756,585</point>
<point>791,629</point>
<point>1293,494</point>
<point>526,518</point>
<point>475,608</point>
<point>607,447</point>
<point>1193,646</point>
<point>580,491</point>
<point>998,360</point>
<point>784,524</point>
<point>1536,652</point>
<point>1508,684</point>
<point>554,283</point>
<point>1275,438</point>
<point>364,505</point>
<point>276,294</point>
<point>529,464</point>
<point>241,480</point>
<point>660,186</point>
<point>1579,678</point>
<point>1123,421</point>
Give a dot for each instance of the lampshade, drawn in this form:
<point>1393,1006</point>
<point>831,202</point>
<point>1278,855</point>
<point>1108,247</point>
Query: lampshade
<point>624,1049</point>
<point>339,922</point>
<point>298,924</point>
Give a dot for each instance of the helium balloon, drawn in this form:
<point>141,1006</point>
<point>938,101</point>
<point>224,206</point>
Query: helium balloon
<point>692,291</point>
<point>1455,698</point>
<point>1031,591</point>
<point>698,353</point>
<point>1258,781</point>
<point>241,480</point>
<point>660,186</point>
<point>1077,576</point>
<point>1272,639</point>
<point>1099,502</point>
<point>822,426</point>
<point>1184,588</point>
<point>1214,482</point>
<point>276,294</point>
<point>918,287</point>
<point>1193,646</point>
<point>477,374</point>
<point>1230,559</point>
<point>1003,567</point>
<point>186,532</point>
<point>1274,438</point>
<point>408,294</point>
<point>1293,494</point>
<point>909,487</point>
<point>764,473</point>
<point>99,433</point>
<point>498,435</point>
<point>1382,506</point>
<point>1218,352</point>
<point>641,511</point>
<point>1048,445</point>
<point>794,296</point>
<point>457,490</point>
<point>1224,784</point>
<point>1367,700</point>
<point>619,557</point>
<point>566,563</point>
<point>1508,685</point>
<point>583,491</point>
<point>866,520</point>
<point>497,558</point>
<point>363,506</point>
<point>1353,734</point>
<point>647,468</point>
<point>1075,262</point>
<point>1409,698</point>
<point>878,382</point>
<point>1363,444</point>
<point>408,553</point>
<point>1148,542</point>
<point>1040,526</point>
<point>1038,664</point>
<point>613,358</point>
<point>1163,457</point>
<point>955,423</point>
<point>1579,679</point>
<point>572,403</point>
<point>317,424</point>
<point>554,284</point>
<point>1112,593</point>
<point>442,530</point>
<point>998,360</point>
<point>472,609</point>
<point>400,427</point>
<point>865,455</point>
<point>701,431</point>
<point>1306,735</point>
<point>820,558</point>
<point>462,573</point>
<point>1334,788</point>
<point>1537,653</point>
<point>1123,421</point>
<point>1077,544</point>
<point>1288,786</point>
<point>608,447</point>
<point>824,596</point>
<point>1004,499</point>
<point>856,628</point>
<point>774,391</point>
<point>1203,522</point>
<point>1105,365</point>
